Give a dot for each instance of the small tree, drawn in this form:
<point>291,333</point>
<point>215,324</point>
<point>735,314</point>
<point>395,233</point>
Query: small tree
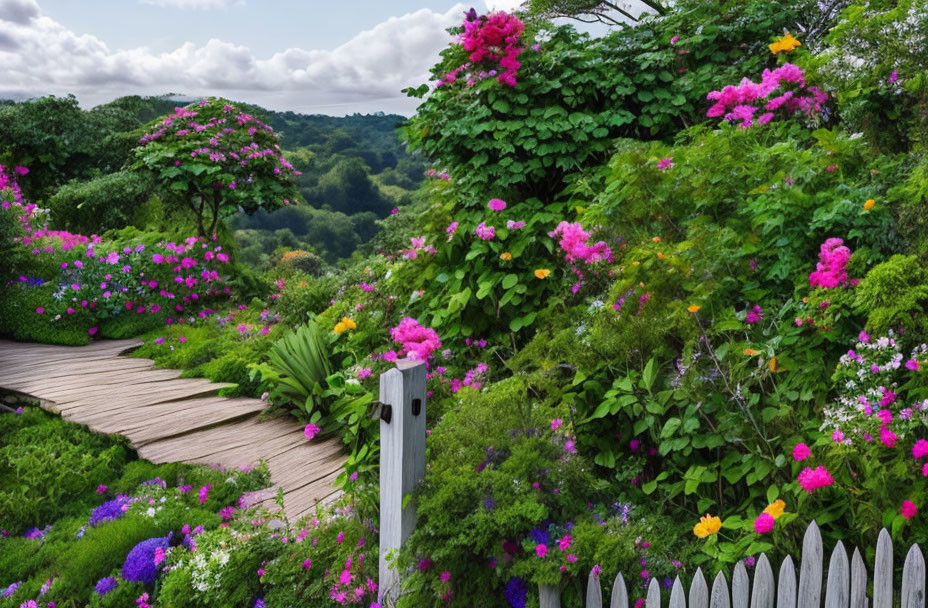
<point>216,160</point>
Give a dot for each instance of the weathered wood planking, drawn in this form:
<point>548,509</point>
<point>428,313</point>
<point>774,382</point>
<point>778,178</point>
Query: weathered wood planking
<point>172,419</point>
<point>846,585</point>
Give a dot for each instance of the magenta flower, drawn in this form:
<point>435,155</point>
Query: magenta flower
<point>764,523</point>
<point>831,270</point>
<point>908,509</point>
<point>911,365</point>
<point>920,449</point>
<point>311,431</point>
<point>445,577</point>
<point>497,204</point>
<point>204,493</point>
<point>801,452</point>
<point>813,479</point>
<point>484,232</point>
<point>101,489</point>
<point>665,163</point>
<point>556,424</point>
<point>541,550</point>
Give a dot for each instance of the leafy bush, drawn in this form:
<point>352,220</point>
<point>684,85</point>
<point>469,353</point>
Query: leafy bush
<point>105,203</point>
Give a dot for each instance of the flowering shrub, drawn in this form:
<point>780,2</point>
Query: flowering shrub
<point>771,96</point>
<point>493,42</point>
<point>214,159</point>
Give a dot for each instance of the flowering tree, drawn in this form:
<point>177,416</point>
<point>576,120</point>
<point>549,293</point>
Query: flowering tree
<point>215,159</point>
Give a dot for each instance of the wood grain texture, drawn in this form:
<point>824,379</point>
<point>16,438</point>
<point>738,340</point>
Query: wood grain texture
<point>858,581</point>
<point>786,584</point>
<point>699,591</point>
<point>810,569</point>
<point>762,592</point>
<point>619,593</point>
<point>171,419</point>
<point>883,572</point>
<point>594,592</point>
<point>838,586</point>
<point>719,597</point>
<point>913,579</point>
<point>739,586</point>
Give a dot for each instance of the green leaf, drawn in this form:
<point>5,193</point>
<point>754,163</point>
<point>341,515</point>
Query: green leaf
<point>510,281</point>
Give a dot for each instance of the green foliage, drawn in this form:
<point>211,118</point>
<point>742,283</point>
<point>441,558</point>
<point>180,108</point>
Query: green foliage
<point>101,204</point>
<point>894,296</point>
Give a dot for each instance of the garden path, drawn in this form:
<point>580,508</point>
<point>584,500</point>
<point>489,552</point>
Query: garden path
<point>171,419</point>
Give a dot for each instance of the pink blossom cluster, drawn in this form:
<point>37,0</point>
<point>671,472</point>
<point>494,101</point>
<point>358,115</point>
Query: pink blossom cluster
<point>574,243</point>
<point>418,342</point>
<point>493,42</point>
<point>831,270</point>
<point>348,588</point>
<point>742,102</point>
<point>812,479</point>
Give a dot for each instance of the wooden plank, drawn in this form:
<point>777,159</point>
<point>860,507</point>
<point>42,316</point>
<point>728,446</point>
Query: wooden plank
<point>786,584</point>
<point>858,581</point>
<point>763,590</point>
<point>810,569</point>
<point>88,407</point>
<point>699,591</point>
<point>138,391</point>
<point>913,579</point>
<point>654,594</point>
<point>178,418</point>
<point>719,597</point>
<point>594,592</point>
<point>677,595</point>
<point>619,593</point>
<point>739,586</point>
<point>549,596</point>
<point>128,383</point>
<point>837,588</point>
<point>883,572</point>
<point>106,379</point>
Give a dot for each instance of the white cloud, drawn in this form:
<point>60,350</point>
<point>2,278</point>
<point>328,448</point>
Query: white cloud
<point>502,5</point>
<point>194,4</point>
<point>40,56</point>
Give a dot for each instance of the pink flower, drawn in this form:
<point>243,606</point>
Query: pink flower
<point>101,489</point>
<point>754,315</point>
<point>837,436</point>
<point>445,577</point>
<point>908,509</point>
<point>574,243</point>
<point>911,365</point>
<point>831,270</point>
<point>665,163</point>
<point>39,310</point>
<point>920,449</point>
<point>763,523</point>
<point>204,493</point>
<point>674,40</point>
<point>887,437</point>
<point>813,479</point>
<point>597,570</point>
<point>571,558</point>
<point>564,543</point>
<point>307,564</point>
<point>497,204</point>
<point>541,550</point>
<point>340,538</point>
<point>511,225</point>
<point>364,372</point>
<point>484,232</point>
<point>801,452</point>
<point>311,430</point>
<point>556,424</point>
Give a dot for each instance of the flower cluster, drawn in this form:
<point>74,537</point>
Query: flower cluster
<point>418,342</point>
<point>574,243</point>
<point>831,270</point>
<point>493,44</point>
<point>742,102</point>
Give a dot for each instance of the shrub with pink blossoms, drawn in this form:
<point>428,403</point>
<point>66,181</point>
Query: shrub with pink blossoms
<point>493,44</point>
<point>831,270</point>
<point>574,243</point>
<point>780,93</point>
<point>418,342</point>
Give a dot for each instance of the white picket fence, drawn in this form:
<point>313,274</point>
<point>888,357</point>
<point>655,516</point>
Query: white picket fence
<point>402,410</point>
<point>846,586</point>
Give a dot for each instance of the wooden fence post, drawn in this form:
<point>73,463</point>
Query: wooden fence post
<point>402,462</point>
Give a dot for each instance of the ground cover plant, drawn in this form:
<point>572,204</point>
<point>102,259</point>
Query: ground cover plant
<point>668,285</point>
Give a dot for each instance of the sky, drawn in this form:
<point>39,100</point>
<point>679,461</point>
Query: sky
<point>316,57</point>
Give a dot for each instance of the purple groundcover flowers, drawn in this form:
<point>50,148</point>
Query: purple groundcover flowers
<point>111,510</point>
<point>140,563</point>
<point>105,585</point>
<point>516,592</point>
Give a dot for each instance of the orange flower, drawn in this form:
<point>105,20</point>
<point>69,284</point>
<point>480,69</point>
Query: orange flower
<point>344,325</point>
<point>641,284</point>
<point>660,255</point>
<point>784,45</point>
<point>708,524</point>
<point>542,273</point>
<point>694,308</point>
<point>751,352</point>
<point>656,239</point>
<point>775,509</point>
<point>869,204</point>
<point>505,256</point>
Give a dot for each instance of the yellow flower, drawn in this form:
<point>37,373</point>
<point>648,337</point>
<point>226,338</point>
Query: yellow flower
<point>579,209</point>
<point>635,263</point>
<point>505,256</point>
<point>869,204</point>
<point>751,352</point>
<point>345,324</point>
<point>542,273</point>
<point>641,284</point>
<point>775,509</point>
<point>708,524</point>
<point>784,45</point>
<point>694,308</point>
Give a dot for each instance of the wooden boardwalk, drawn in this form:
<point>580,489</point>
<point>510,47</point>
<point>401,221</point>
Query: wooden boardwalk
<point>170,419</point>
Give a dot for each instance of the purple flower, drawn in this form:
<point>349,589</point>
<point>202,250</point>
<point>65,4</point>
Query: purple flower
<point>140,563</point>
<point>105,585</point>
<point>111,510</point>
<point>516,592</point>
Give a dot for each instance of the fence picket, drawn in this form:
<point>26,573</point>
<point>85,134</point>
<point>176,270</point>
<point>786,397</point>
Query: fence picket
<point>619,593</point>
<point>549,596</point>
<point>786,584</point>
<point>739,586</point>
<point>858,581</point>
<point>810,569</point>
<point>678,595</point>
<point>913,579</point>
<point>594,592</point>
<point>719,597</point>
<point>699,591</point>
<point>762,592</point>
<point>883,572</point>
<point>654,594</point>
<point>837,593</point>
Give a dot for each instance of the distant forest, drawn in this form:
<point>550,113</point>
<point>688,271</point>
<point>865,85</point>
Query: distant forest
<point>354,171</point>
